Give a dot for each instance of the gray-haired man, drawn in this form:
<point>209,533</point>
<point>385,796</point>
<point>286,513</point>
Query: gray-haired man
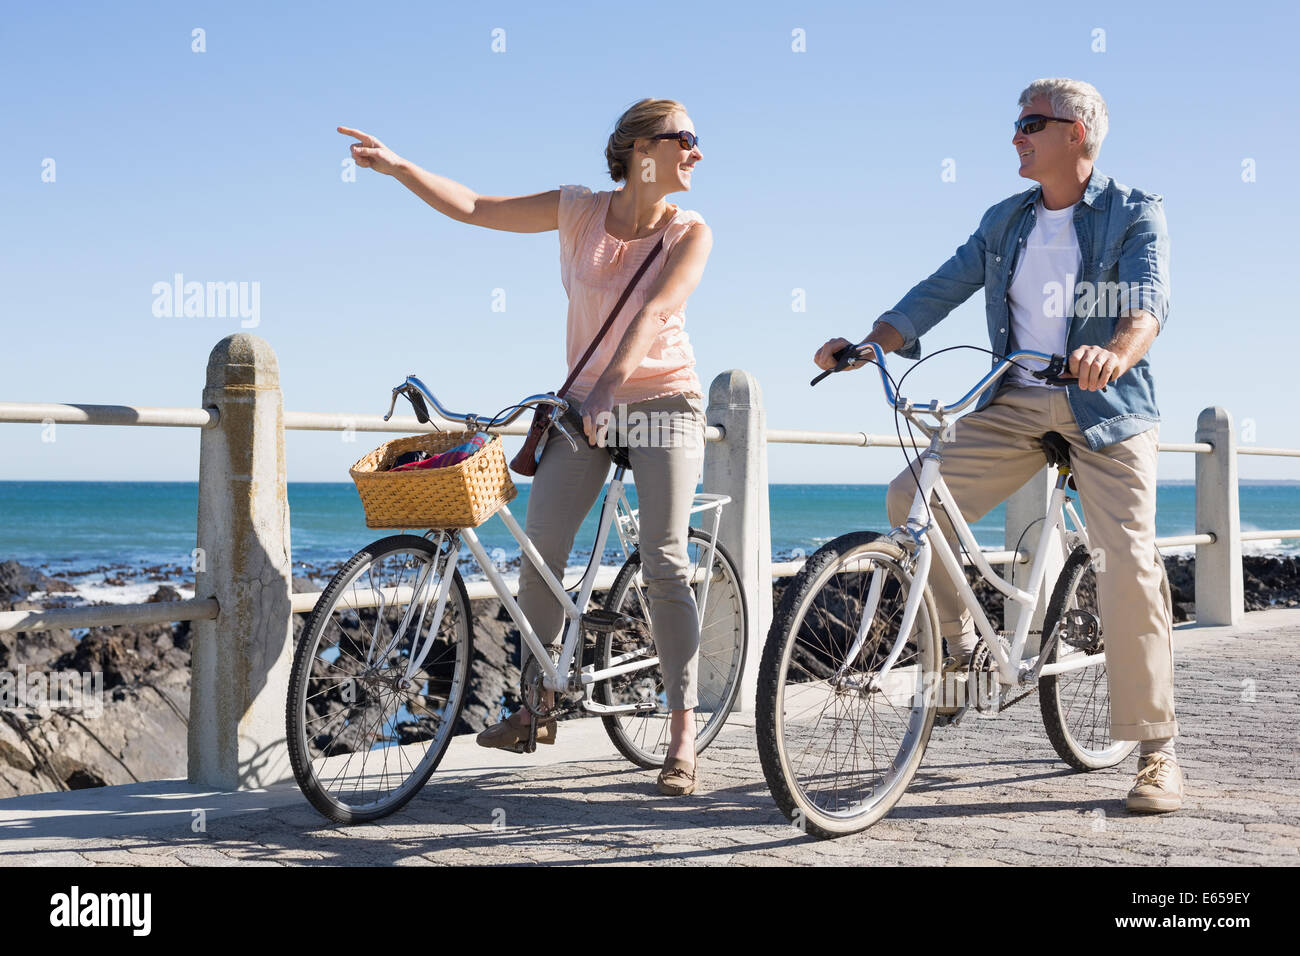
<point>1077,266</point>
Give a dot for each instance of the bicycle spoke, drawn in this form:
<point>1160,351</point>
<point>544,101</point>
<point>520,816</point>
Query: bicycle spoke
<point>644,736</point>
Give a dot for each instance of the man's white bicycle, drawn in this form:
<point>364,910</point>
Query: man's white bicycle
<point>382,665</point>
<point>851,680</point>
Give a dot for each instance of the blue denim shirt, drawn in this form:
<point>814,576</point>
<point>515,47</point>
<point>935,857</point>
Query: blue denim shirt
<point>1124,253</point>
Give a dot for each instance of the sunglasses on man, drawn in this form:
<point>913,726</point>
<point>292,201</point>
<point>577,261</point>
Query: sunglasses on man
<point>1035,123</point>
<point>685,139</point>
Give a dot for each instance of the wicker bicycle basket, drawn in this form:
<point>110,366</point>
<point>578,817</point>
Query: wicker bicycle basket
<point>463,495</point>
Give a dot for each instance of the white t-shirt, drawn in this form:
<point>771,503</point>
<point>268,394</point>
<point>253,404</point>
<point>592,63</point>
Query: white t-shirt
<point>1042,290</point>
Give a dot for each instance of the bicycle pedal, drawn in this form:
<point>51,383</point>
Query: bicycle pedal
<point>603,620</point>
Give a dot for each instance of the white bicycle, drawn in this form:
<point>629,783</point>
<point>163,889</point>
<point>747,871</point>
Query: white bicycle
<point>850,684</point>
<point>380,670</point>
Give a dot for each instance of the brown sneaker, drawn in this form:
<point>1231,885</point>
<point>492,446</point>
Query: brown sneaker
<point>507,735</point>
<point>1159,785</point>
<point>677,778</point>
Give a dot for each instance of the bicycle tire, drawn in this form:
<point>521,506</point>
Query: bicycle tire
<point>369,698</point>
<point>778,733</point>
<point>1083,742</point>
<point>643,738</point>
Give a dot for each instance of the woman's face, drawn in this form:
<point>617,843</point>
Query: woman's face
<point>672,164</point>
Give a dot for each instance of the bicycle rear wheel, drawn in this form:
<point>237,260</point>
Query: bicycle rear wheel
<point>643,737</point>
<point>1076,703</point>
<point>363,738</point>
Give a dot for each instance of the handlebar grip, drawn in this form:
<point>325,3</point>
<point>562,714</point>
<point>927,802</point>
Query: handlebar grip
<point>421,410</point>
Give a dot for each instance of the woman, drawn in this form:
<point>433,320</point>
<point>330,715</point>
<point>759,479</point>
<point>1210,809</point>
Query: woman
<point>644,365</point>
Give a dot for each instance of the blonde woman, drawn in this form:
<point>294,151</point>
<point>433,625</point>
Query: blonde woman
<point>644,365</point>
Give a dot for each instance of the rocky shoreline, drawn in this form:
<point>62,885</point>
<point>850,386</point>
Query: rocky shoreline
<point>140,733</point>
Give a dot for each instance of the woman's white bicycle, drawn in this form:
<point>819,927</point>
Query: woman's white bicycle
<point>851,680</point>
<point>381,668</point>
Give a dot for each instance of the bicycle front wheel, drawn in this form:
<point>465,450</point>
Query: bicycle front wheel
<point>642,737</point>
<point>839,750</point>
<point>1076,703</point>
<point>367,724</point>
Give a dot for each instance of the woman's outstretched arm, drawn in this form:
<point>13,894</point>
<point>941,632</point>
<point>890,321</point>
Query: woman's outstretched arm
<point>536,213</point>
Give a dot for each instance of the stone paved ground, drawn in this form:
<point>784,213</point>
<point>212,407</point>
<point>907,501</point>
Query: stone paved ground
<point>989,791</point>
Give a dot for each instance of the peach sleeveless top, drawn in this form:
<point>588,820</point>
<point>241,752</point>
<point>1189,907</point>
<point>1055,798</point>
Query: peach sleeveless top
<point>595,269</point>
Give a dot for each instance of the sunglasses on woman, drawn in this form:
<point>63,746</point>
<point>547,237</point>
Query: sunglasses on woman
<point>685,139</point>
<point>1035,123</point>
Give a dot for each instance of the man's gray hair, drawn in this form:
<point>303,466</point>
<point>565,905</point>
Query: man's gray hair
<point>1077,100</point>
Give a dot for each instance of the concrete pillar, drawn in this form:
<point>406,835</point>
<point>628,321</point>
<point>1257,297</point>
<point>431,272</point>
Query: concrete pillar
<point>241,660</point>
<point>737,466</point>
<point>1024,524</point>
<point>1220,596</point>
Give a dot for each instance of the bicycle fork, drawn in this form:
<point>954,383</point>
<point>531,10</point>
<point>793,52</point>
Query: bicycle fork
<point>915,595</point>
<point>446,564</point>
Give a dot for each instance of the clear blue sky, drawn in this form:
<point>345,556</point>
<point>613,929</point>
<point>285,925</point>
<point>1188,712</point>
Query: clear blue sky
<point>821,171</point>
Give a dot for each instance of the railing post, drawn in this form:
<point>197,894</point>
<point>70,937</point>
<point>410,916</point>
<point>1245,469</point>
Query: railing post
<point>1220,596</point>
<point>1024,523</point>
<point>737,466</point>
<point>241,659</point>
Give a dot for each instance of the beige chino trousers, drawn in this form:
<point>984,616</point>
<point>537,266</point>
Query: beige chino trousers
<point>666,469</point>
<point>994,451</point>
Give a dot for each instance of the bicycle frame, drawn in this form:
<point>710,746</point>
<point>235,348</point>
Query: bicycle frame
<point>615,506</point>
<point>914,536</point>
<point>616,511</point>
<point>916,531</point>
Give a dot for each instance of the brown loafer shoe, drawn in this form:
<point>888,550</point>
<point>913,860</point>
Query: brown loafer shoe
<point>677,778</point>
<point>1159,785</point>
<point>505,735</point>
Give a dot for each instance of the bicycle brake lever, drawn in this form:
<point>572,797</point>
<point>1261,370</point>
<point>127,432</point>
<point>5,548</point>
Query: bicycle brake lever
<point>559,423</point>
<point>1052,373</point>
<point>842,359</point>
<point>393,404</point>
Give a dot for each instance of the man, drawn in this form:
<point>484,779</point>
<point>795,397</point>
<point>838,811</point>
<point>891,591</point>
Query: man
<point>1076,266</point>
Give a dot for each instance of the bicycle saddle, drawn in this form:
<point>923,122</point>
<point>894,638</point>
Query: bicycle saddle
<point>618,453</point>
<point>1057,450</point>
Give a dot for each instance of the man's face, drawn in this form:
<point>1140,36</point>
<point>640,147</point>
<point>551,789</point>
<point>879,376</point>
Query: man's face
<point>1049,151</point>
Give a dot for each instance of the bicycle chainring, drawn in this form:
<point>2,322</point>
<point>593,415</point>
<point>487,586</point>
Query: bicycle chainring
<point>534,692</point>
<point>982,687</point>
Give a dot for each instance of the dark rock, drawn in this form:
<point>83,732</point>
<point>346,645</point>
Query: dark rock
<point>83,778</point>
<point>34,649</point>
<point>17,581</point>
<point>164,593</point>
<point>182,634</point>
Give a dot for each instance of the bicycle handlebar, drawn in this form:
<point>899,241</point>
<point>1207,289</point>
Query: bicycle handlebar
<point>848,357</point>
<point>419,393</point>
